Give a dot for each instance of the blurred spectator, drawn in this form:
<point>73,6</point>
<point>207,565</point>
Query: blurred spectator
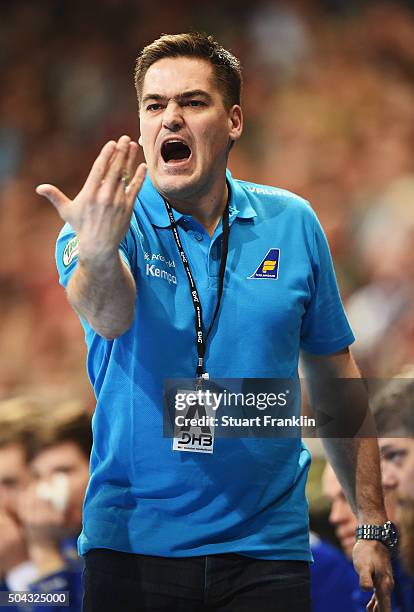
<point>279,39</point>
<point>345,524</point>
<point>406,522</point>
<point>341,515</point>
<point>394,415</point>
<point>381,312</point>
<point>16,426</point>
<point>50,508</point>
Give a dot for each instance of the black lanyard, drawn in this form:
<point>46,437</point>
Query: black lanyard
<point>201,338</point>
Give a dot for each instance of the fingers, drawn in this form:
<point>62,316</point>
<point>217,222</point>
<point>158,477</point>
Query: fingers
<point>136,183</point>
<point>373,564</point>
<point>372,604</point>
<point>103,185</point>
<point>114,173</point>
<point>383,590</point>
<point>100,166</point>
<point>128,172</point>
<point>55,196</point>
<point>365,580</point>
<point>132,162</point>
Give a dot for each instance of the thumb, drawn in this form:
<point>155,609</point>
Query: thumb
<point>365,581</point>
<point>54,195</point>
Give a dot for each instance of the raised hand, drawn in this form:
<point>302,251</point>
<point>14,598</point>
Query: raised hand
<point>101,212</point>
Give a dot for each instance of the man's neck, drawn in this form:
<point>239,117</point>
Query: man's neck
<point>207,210</point>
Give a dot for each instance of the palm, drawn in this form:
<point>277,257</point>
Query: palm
<point>101,212</point>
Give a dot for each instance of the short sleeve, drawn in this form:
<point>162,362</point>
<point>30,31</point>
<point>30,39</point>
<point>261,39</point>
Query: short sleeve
<point>67,253</point>
<point>325,328</point>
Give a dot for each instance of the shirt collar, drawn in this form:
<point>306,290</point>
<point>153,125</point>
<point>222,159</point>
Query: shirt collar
<point>153,203</point>
<point>239,204</point>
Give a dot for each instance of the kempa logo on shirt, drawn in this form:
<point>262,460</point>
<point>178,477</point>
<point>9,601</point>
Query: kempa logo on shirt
<point>71,250</point>
<point>152,270</point>
<point>269,268</point>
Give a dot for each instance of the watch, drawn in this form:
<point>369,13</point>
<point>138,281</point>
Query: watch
<point>387,533</point>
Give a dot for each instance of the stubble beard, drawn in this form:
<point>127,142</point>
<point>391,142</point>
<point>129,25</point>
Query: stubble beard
<point>406,526</point>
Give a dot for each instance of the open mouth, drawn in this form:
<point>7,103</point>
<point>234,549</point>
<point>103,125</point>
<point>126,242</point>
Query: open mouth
<point>175,150</point>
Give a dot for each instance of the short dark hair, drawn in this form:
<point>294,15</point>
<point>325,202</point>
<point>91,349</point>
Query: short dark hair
<point>18,420</point>
<point>68,421</point>
<point>226,66</point>
<point>393,407</point>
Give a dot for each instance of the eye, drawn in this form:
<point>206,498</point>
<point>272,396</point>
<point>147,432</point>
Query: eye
<point>396,457</point>
<point>153,107</point>
<point>65,469</point>
<point>196,103</point>
<point>9,483</point>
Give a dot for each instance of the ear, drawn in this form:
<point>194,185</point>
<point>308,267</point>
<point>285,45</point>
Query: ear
<point>235,122</point>
<point>139,126</point>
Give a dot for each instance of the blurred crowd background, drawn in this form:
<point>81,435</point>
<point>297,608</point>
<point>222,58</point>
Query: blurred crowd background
<point>329,109</point>
<point>329,114</point>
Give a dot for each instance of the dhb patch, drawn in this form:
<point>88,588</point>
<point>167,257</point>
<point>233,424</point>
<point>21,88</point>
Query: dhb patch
<point>269,268</point>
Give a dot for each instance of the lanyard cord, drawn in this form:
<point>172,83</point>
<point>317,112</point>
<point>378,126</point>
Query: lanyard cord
<point>201,338</point>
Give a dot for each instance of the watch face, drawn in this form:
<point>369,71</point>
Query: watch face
<point>390,534</point>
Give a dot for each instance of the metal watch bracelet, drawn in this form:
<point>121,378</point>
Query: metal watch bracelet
<point>386,533</point>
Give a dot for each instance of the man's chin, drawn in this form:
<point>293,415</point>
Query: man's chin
<point>174,186</point>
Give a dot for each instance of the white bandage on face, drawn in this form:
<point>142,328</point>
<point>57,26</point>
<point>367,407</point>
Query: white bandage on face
<point>56,491</point>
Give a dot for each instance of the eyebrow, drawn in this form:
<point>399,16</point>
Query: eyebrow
<point>8,481</point>
<point>179,98</point>
<point>391,448</point>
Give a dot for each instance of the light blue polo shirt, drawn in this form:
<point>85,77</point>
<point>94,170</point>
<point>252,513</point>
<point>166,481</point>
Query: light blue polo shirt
<point>248,497</point>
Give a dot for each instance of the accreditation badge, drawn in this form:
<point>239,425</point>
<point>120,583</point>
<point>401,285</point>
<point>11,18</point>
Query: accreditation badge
<point>194,422</point>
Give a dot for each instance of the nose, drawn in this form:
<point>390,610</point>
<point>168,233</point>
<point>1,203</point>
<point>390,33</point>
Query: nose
<point>172,118</point>
<point>389,477</point>
<point>337,514</point>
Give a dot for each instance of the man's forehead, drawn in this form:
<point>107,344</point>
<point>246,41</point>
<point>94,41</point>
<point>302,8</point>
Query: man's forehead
<point>173,76</point>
